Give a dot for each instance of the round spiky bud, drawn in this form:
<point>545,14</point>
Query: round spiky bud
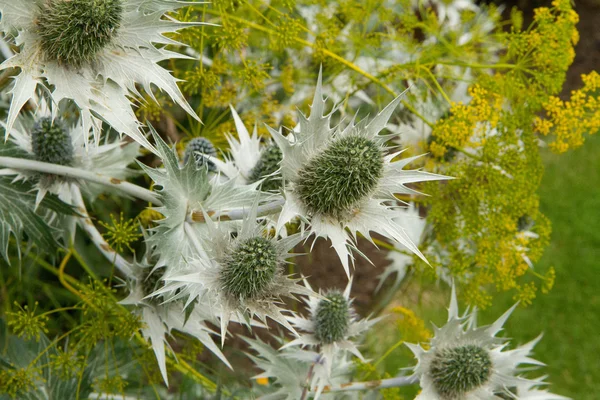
<point>332,318</point>
<point>456,371</point>
<point>72,32</point>
<point>250,267</point>
<point>51,142</point>
<point>198,146</point>
<point>268,163</point>
<point>336,180</point>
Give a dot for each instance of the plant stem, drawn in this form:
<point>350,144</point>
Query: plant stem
<point>236,214</point>
<point>69,172</point>
<point>370,385</point>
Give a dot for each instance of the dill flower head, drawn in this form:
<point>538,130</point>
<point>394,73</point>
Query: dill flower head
<point>342,180</point>
<point>51,142</point>
<point>467,362</point>
<point>72,32</point>
<point>198,148</point>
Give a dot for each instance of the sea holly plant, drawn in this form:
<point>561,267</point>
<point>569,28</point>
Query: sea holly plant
<point>95,53</point>
<point>144,254</point>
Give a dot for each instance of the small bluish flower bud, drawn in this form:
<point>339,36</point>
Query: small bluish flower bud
<point>72,32</point>
<point>198,146</point>
<point>336,180</point>
<point>250,268</point>
<point>267,164</point>
<point>332,318</point>
<point>51,142</point>
<point>456,371</point>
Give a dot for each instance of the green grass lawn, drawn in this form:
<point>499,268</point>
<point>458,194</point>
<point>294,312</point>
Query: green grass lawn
<point>569,315</point>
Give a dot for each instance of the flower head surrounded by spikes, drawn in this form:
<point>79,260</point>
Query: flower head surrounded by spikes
<point>250,160</point>
<point>160,319</point>
<point>341,179</point>
<point>240,277</point>
<point>185,190</point>
<point>93,52</point>
<point>55,140</point>
<point>331,326</point>
<point>466,362</point>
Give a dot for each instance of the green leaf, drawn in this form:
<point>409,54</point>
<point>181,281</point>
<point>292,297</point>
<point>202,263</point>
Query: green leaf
<point>19,220</point>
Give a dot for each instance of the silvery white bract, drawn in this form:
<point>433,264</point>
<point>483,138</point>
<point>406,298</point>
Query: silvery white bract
<point>160,319</point>
<point>103,79</point>
<point>108,158</point>
<point>291,367</point>
<point>468,362</point>
<point>401,259</point>
<point>240,278</point>
<point>330,339</point>
<point>186,190</point>
<point>342,181</point>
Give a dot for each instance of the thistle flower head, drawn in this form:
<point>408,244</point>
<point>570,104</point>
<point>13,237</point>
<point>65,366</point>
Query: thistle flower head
<point>97,54</point>
<point>72,32</point>
<point>458,370</point>
<point>332,326</point>
<point>250,267</point>
<point>51,142</point>
<point>467,362</point>
<point>341,180</point>
<point>335,181</point>
<point>196,148</point>
<point>267,165</point>
<point>333,318</point>
<point>242,276</point>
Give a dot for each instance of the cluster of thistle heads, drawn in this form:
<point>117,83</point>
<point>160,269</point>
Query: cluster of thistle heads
<point>220,251</point>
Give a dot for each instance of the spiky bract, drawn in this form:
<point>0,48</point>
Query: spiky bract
<point>458,370</point>
<point>197,147</point>
<point>72,32</point>
<point>266,166</point>
<point>332,318</point>
<point>250,268</point>
<point>336,180</point>
<point>51,142</point>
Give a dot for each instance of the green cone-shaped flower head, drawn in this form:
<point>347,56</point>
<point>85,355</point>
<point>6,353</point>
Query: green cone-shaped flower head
<point>198,146</point>
<point>51,142</point>
<point>72,32</point>
<point>456,371</point>
<point>250,267</point>
<point>332,318</point>
<point>337,179</point>
<point>268,163</point>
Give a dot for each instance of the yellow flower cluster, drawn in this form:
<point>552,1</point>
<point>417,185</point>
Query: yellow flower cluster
<point>568,121</point>
<point>412,328</point>
<point>465,127</point>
